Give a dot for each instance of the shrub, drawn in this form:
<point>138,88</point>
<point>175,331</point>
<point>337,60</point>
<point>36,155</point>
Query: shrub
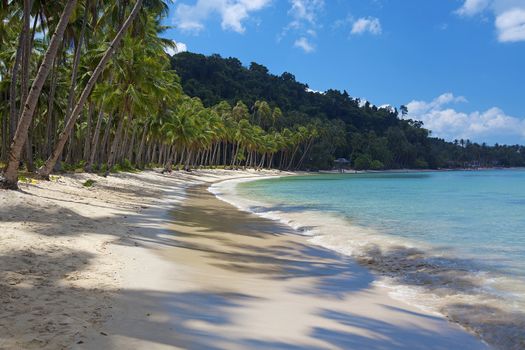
<point>421,163</point>
<point>89,183</point>
<point>362,162</point>
<point>377,165</point>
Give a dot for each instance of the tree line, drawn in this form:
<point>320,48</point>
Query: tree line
<point>368,136</point>
<point>88,84</point>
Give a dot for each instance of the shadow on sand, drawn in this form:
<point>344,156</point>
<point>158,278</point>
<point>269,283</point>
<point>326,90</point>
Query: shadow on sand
<point>196,316</point>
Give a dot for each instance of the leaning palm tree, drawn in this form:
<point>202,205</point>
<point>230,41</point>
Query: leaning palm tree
<point>10,177</point>
<point>46,169</point>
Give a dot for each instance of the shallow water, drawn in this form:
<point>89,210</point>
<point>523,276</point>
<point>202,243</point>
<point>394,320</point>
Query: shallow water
<point>451,242</point>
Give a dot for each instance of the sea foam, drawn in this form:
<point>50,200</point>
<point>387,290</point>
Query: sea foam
<point>488,304</point>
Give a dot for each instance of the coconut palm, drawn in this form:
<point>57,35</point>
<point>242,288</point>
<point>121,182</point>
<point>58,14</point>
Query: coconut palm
<point>46,169</point>
<point>10,177</point>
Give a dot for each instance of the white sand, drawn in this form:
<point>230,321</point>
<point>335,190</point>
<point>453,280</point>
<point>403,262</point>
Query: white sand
<point>65,250</point>
<point>98,268</point>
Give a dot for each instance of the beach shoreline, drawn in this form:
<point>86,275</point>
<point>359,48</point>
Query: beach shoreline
<point>68,246</point>
<point>156,281</point>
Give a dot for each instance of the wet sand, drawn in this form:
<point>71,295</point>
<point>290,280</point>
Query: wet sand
<point>231,280</point>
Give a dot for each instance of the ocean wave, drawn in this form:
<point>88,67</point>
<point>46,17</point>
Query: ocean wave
<point>460,288</point>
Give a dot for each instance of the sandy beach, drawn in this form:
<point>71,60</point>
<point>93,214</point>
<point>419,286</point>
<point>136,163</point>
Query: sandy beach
<point>151,261</point>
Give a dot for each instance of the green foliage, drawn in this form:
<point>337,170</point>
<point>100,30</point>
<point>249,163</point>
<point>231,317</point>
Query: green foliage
<point>362,162</point>
<point>126,165</point>
<point>421,164</point>
<point>377,165</point>
<point>217,114</point>
<point>89,183</point>
<point>346,127</point>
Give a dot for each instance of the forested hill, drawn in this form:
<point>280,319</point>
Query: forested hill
<point>370,137</point>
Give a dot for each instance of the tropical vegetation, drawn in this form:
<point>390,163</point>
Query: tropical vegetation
<point>370,137</point>
<point>87,84</point>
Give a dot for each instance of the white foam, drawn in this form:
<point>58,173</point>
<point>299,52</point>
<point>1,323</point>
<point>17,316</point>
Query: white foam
<point>489,304</point>
<point>227,192</point>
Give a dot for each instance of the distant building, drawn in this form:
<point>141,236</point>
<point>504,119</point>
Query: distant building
<point>341,163</point>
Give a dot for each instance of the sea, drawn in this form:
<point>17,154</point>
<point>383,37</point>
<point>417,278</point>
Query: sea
<point>449,242</point>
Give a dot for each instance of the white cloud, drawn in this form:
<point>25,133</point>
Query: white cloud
<point>304,22</point>
<point>491,126</point>
<point>388,107</point>
<point>232,12</point>
<point>472,7</point>
<point>304,44</point>
<point>511,25</point>
<point>179,47</point>
<point>314,91</point>
<point>305,10</point>
<point>367,24</point>
<point>509,16</point>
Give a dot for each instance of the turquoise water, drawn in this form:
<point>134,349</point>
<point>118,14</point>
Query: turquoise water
<point>481,213</point>
<point>456,238</point>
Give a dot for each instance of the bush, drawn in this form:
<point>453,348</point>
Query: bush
<point>362,162</point>
<point>38,163</point>
<point>89,183</point>
<point>421,164</point>
<point>377,165</point>
<point>126,165</point>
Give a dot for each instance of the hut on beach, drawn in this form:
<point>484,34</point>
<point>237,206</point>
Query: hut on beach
<point>341,163</point>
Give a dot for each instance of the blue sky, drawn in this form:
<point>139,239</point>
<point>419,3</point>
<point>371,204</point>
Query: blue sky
<point>459,65</point>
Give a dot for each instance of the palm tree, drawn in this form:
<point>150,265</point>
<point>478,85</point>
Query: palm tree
<point>46,169</point>
<point>10,177</point>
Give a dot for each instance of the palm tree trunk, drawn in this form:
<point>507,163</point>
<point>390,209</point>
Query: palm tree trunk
<point>305,152</point>
<point>149,153</point>
<point>13,114</point>
<point>140,157</point>
<point>168,166</point>
<point>114,145</point>
<point>131,145</point>
<point>225,153</point>
<point>26,50</point>
<point>94,142</point>
<point>270,161</point>
<point>50,127</point>
<point>160,154</point>
<point>123,144</point>
<point>102,155</point>
<point>46,169</point>
<point>152,154</point>
<point>5,142</point>
<point>74,73</point>
<point>292,158</point>
<point>10,180</point>
<point>87,139</point>
<point>281,160</point>
<point>24,82</point>
<point>188,160</point>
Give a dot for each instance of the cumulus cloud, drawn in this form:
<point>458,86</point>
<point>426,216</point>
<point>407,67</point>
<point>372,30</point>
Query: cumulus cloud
<point>490,126</point>
<point>304,44</point>
<point>179,47</point>
<point>472,7</point>
<point>509,16</point>
<point>511,25</point>
<point>304,23</point>
<point>232,12</point>
<point>363,25</point>
<point>305,11</point>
